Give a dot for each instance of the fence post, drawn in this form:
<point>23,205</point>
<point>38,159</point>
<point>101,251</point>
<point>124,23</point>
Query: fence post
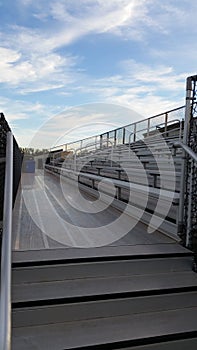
<point>183,170</point>
<point>5,299</point>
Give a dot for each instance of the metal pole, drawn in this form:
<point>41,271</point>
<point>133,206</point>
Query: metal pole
<point>189,218</point>
<point>5,300</point>
<point>185,139</point>
<point>187,150</point>
<point>112,153</point>
<point>75,161</point>
<point>148,127</point>
<point>134,133</point>
<point>166,123</point>
<point>130,144</point>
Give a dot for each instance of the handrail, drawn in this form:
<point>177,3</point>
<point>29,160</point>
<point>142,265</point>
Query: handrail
<point>5,297</point>
<point>187,149</point>
<point>169,121</point>
<point>95,143</point>
<point>126,126</point>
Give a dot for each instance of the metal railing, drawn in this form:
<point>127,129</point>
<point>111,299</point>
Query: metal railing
<point>80,150</point>
<point>83,152</point>
<point>5,296</point>
<point>139,130</point>
<point>187,149</point>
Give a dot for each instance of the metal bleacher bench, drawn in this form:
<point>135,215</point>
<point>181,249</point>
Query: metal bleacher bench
<point>119,184</point>
<point>106,170</point>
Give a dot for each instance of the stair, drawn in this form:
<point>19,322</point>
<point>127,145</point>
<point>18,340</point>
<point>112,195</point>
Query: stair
<point>105,300</point>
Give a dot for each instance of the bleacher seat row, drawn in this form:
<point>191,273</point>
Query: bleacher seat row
<point>138,170</point>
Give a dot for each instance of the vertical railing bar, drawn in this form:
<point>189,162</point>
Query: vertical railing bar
<point>183,170</point>
<point>166,122</point>
<point>134,133</point>
<point>123,136</point>
<point>188,228</point>
<point>130,144</point>
<point>5,299</point>
<point>148,127</point>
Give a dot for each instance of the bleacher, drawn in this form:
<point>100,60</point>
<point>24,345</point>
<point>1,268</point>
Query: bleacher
<point>146,173</point>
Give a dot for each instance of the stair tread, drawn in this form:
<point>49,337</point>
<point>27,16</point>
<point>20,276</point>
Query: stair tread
<point>102,286</point>
<point>99,269</point>
<point>69,335</point>
<point>39,315</point>
<point>132,251</point>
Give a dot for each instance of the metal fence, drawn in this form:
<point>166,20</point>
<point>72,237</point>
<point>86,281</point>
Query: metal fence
<point>17,164</point>
<point>17,161</point>
<point>4,128</point>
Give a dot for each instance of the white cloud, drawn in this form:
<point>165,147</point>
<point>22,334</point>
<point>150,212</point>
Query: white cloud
<point>157,77</point>
<point>35,59</point>
<point>72,20</point>
<point>82,121</point>
<point>23,136</point>
<point>20,109</point>
<point>37,72</point>
<point>145,88</point>
<point>30,59</point>
<point>8,56</point>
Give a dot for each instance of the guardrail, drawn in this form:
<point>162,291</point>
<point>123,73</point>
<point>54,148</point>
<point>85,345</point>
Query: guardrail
<point>79,152</point>
<point>139,130</point>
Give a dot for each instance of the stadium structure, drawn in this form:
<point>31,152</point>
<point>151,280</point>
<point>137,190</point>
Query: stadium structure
<point>99,238</point>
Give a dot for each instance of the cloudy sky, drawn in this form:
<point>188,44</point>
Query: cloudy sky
<point>55,55</point>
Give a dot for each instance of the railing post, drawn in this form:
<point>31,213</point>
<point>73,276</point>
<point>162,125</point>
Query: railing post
<point>166,122</point>
<point>115,138</point>
<point>107,139</point>
<point>189,218</point>
<point>123,136</point>
<point>134,133</point>
<point>75,160</point>
<point>185,139</point>
<point>5,298</point>
<point>130,144</point>
<point>148,127</point>
<point>112,153</point>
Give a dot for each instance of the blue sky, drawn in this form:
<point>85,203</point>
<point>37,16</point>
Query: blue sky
<point>55,55</point>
